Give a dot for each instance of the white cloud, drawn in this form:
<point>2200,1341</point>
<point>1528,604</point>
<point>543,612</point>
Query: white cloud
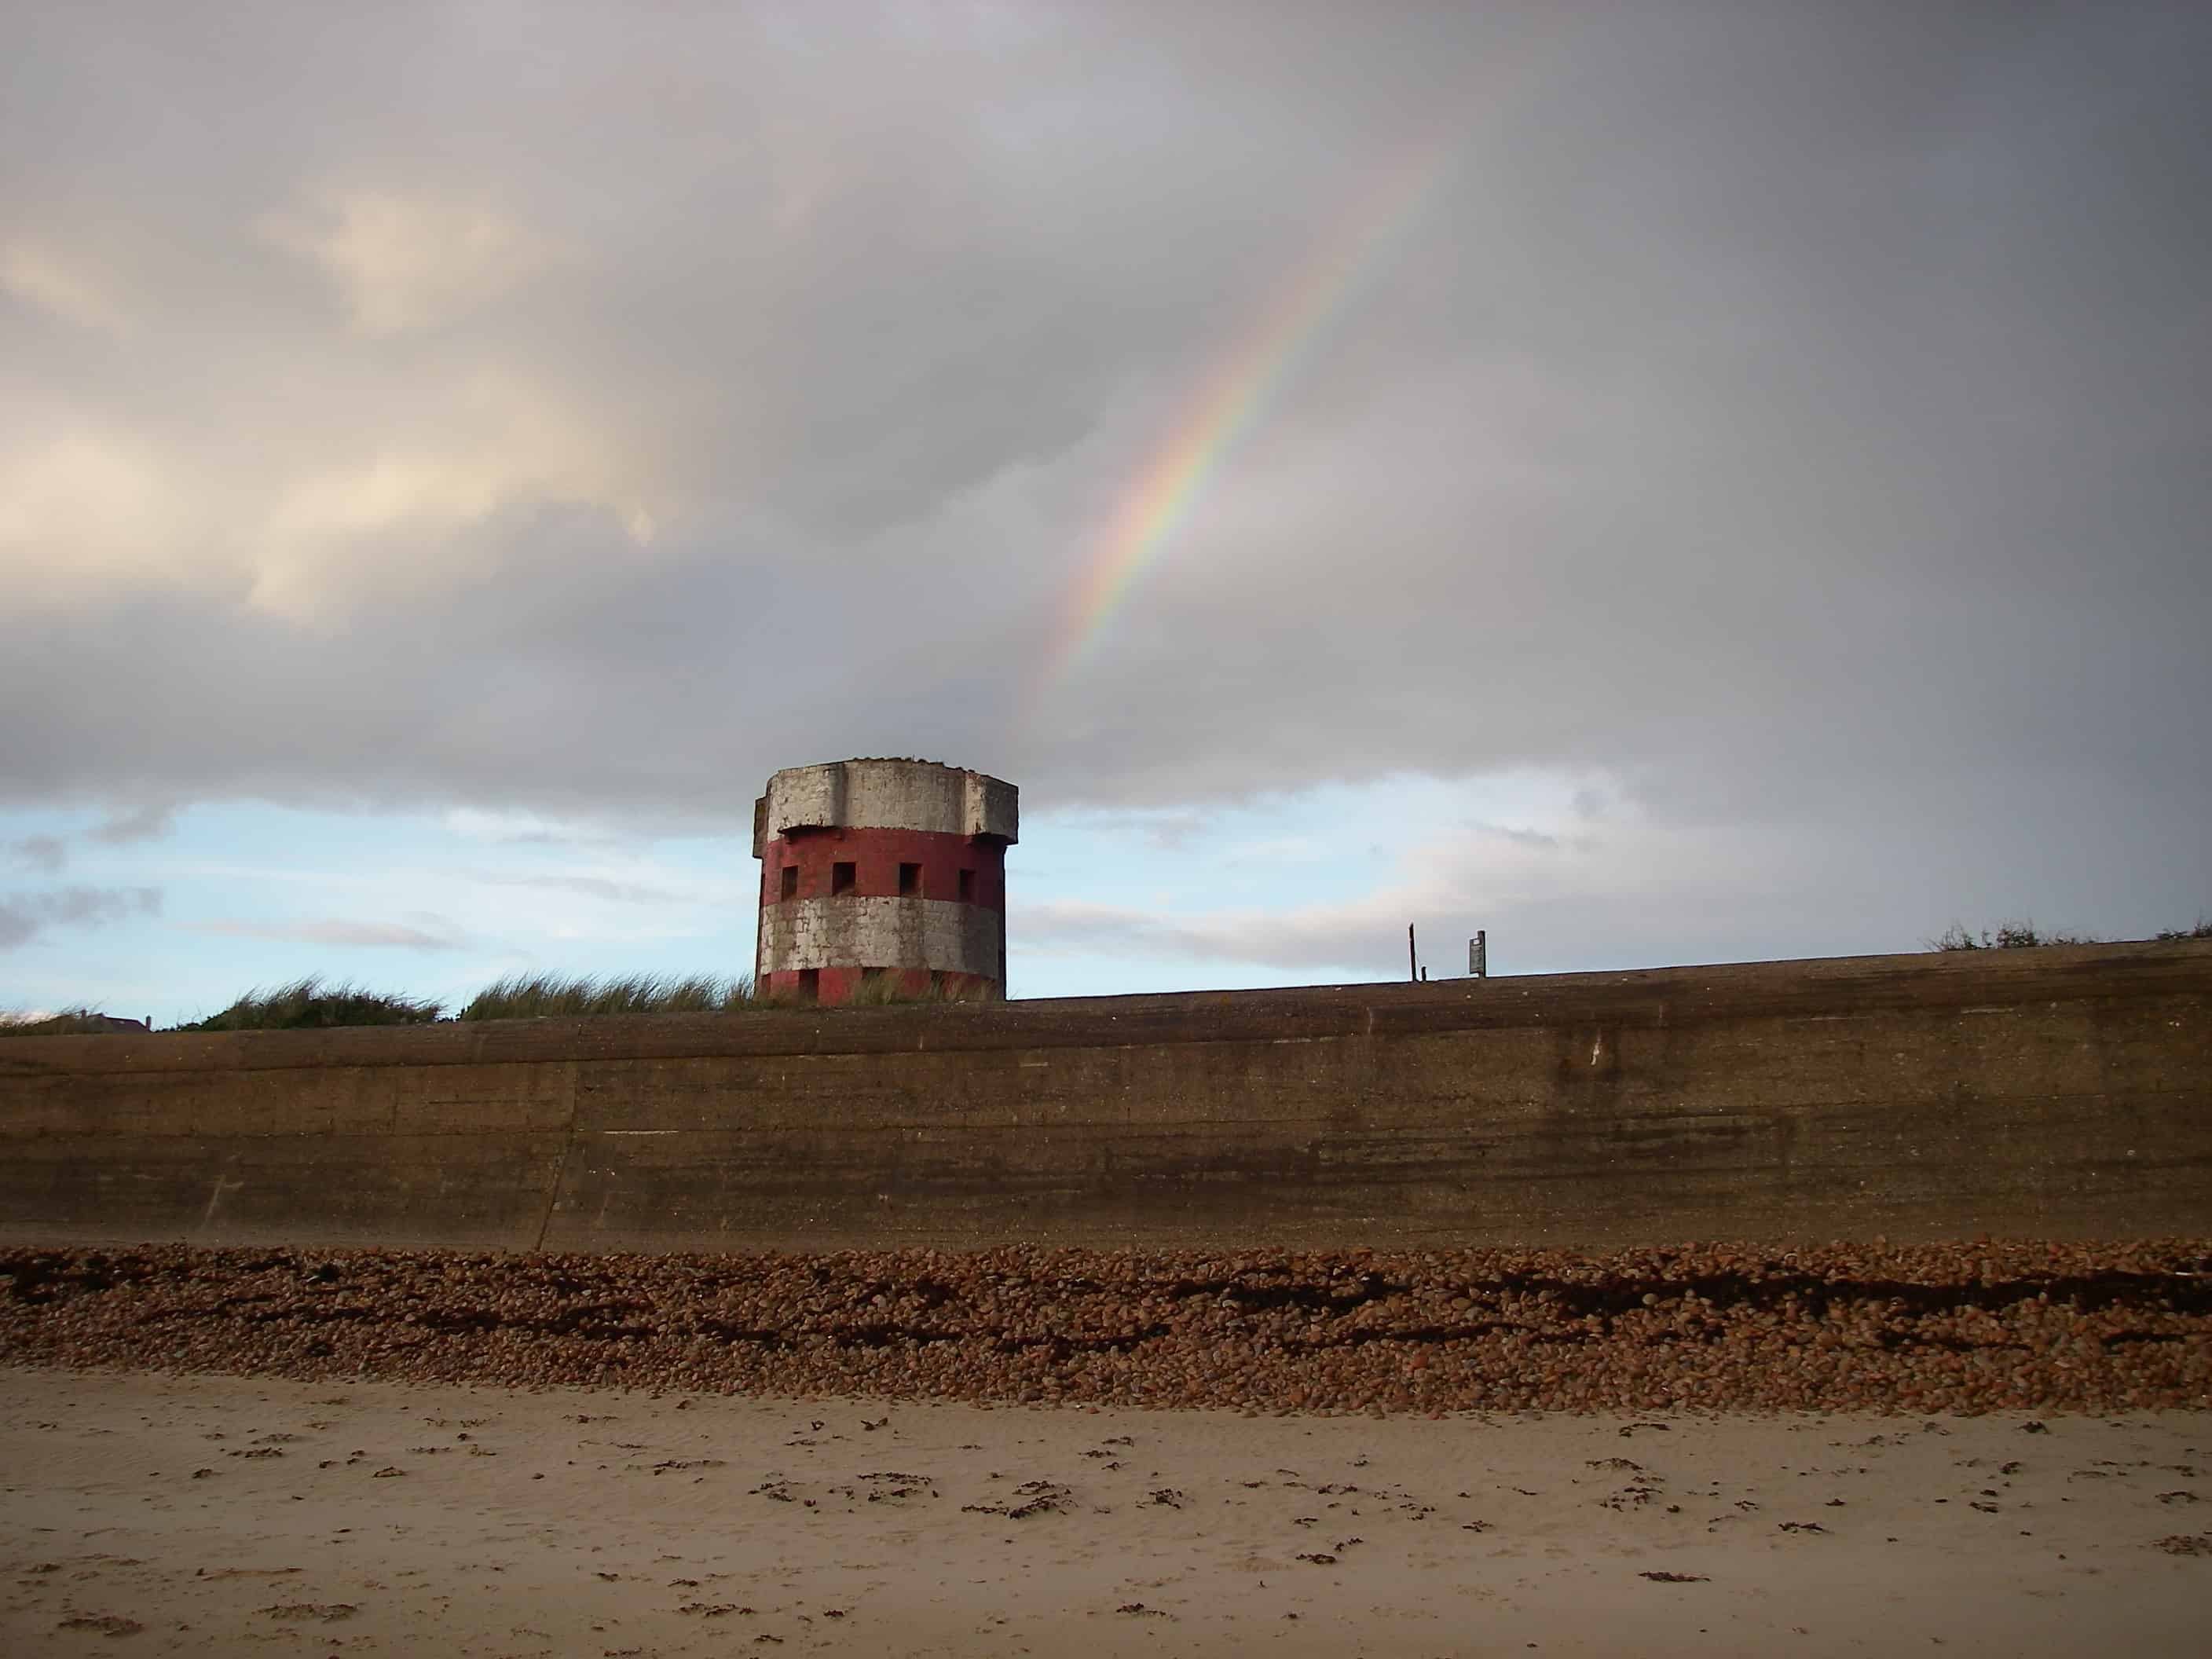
<point>261,454</point>
<point>523,828</point>
<point>404,260</point>
<point>390,514</point>
<point>599,887</point>
<point>306,524</point>
<point>1280,849</point>
<point>66,285</point>
<point>396,935</point>
<point>87,508</point>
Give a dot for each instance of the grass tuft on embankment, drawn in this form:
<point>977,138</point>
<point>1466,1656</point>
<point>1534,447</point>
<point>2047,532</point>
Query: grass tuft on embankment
<point>70,1022</point>
<point>310,1005</point>
<point>890,990</point>
<point>2009,936</point>
<point>543,996</point>
<point>2026,935</point>
<point>549,996</point>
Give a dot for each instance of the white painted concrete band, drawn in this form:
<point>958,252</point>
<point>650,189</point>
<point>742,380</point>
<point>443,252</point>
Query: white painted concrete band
<point>864,794</point>
<point>942,934</point>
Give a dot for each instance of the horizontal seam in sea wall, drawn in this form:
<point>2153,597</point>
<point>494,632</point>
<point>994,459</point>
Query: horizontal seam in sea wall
<point>1370,1123</point>
<point>1000,1041</point>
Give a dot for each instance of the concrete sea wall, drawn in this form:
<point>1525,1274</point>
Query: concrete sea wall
<point>2050,1093</point>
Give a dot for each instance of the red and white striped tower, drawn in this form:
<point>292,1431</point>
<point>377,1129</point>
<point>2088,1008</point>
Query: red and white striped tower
<point>882,869</point>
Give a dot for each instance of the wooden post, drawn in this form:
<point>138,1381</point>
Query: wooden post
<point>1412,968</point>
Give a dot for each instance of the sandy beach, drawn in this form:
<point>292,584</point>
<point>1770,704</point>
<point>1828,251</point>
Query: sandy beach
<point>155,1513</point>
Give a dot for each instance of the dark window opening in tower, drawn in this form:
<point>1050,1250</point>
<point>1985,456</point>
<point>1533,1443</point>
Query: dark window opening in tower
<point>910,881</point>
<point>788,882</point>
<point>810,985</point>
<point>967,886</point>
<point>842,878</point>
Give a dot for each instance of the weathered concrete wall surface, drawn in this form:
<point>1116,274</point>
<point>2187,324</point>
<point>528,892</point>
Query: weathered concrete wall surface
<point>930,935</point>
<point>2047,1093</point>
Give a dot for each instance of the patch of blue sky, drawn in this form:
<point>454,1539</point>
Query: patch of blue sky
<point>1046,972</point>
<point>1329,844</point>
<point>437,905</point>
<point>1093,891</point>
<point>418,904</point>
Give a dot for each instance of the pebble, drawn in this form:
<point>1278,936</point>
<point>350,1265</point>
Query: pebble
<point>1966,1328</point>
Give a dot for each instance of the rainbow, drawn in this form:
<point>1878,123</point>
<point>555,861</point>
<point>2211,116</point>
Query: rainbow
<point>1228,400</point>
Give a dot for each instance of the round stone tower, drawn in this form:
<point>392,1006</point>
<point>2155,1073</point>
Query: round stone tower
<point>882,872</point>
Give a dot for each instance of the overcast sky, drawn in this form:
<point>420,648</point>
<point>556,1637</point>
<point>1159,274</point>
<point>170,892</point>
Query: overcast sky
<point>1662,482</point>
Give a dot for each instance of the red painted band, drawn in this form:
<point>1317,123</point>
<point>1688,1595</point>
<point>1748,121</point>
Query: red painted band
<point>883,862</point>
<point>832,986</point>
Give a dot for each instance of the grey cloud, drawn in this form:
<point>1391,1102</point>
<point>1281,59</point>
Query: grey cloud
<point>137,824</point>
<point>599,887</point>
<point>25,916</point>
<point>1171,832</point>
<point>1795,415</point>
<point>1161,832</point>
<point>47,853</point>
<point>552,838</point>
<point>374,933</point>
<point>1531,838</point>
